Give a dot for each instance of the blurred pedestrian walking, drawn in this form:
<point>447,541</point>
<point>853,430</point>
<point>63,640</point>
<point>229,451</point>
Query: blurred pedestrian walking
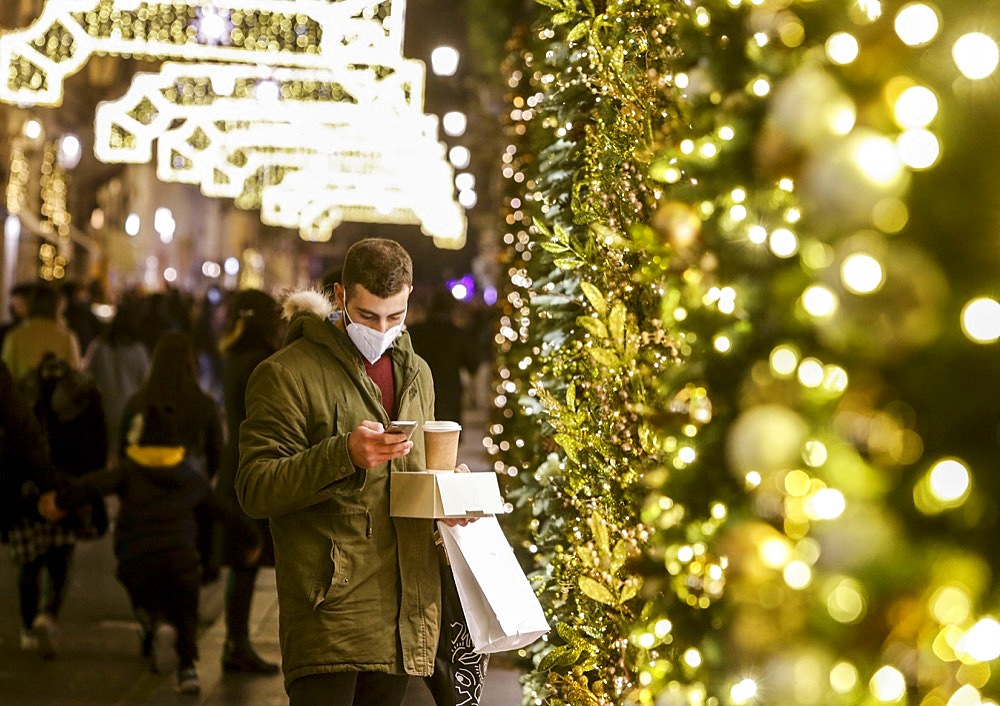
<point>173,380</point>
<point>155,537</point>
<point>42,331</point>
<point>17,308</point>
<point>119,364</point>
<point>25,469</point>
<point>67,407</point>
<point>253,332</point>
<point>78,312</point>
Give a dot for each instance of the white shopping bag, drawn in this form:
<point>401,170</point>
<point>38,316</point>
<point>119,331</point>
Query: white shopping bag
<point>502,611</point>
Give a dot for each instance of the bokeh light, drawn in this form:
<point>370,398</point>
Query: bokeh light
<point>843,677</point>
<point>842,48</point>
<point>878,159</point>
<point>919,149</point>
<point>132,224</point>
<point>444,61</point>
<point>888,684</point>
<point>982,641</point>
<point>949,480</point>
<point>981,320</point>
<point>819,301</point>
<point>915,107</point>
<point>861,273</point>
<point>454,123</point>
<point>917,24</point>
<point>976,55</point>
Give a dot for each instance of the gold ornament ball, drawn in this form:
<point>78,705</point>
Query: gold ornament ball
<point>678,224</point>
<point>766,438</point>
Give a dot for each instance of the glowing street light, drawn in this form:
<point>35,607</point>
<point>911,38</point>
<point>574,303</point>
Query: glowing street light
<point>444,61</point>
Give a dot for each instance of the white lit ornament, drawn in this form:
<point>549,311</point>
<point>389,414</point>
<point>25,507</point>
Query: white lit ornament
<point>304,33</point>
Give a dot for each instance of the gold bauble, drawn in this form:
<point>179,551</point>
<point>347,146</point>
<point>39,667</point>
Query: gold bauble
<point>678,224</point>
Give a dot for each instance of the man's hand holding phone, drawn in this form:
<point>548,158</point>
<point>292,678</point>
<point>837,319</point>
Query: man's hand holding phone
<point>371,444</point>
<point>401,427</point>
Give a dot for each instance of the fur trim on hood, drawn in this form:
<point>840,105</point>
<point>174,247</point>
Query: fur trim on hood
<point>309,300</point>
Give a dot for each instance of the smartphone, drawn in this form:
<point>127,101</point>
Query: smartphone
<point>401,427</point>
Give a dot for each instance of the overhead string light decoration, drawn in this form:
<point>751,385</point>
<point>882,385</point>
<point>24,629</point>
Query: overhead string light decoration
<point>304,33</point>
<point>202,94</point>
<point>339,98</point>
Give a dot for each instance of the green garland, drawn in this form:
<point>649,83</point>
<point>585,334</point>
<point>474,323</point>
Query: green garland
<point>676,412</point>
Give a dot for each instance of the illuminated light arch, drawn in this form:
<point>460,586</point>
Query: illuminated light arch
<point>309,199</point>
<point>344,121</point>
<point>335,124</point>
<point>222,157</point>
<point>126,128</point>
<point>301,33</point>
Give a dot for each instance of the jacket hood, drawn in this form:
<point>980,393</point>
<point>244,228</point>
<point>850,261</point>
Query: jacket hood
<point>311,301</point>
<point>155,456</point>
<point>305,309</point>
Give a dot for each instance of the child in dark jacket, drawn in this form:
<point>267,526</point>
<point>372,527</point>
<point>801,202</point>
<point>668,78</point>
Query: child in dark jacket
<point>155,536</point>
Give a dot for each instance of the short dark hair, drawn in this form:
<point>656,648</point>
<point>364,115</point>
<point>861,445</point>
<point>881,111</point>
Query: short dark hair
<point>381,266</point>
<point>44,300</point>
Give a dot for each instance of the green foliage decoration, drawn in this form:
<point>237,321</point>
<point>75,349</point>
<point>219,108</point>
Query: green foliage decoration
<point>723,459</point>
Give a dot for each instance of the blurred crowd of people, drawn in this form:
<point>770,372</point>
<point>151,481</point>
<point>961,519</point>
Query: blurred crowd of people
<point>144,405</point>
<point>143,401</point>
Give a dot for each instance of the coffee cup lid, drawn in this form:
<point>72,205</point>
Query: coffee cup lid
<point>442,426</point>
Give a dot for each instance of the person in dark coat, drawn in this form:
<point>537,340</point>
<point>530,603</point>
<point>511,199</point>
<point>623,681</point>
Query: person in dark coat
<point>253,332</point>
<point>67,406</point>
<point>448,351</point>
<point>173,379</point>
<point>78,314</point>
<point>25,470</point>
<point>155,536</point>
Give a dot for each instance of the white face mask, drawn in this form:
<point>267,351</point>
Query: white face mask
<point>369,342</point>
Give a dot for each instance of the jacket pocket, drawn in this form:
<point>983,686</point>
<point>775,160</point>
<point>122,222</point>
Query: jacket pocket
<point>328,575</point>
<point>337,572</point>
<point>354,483</point>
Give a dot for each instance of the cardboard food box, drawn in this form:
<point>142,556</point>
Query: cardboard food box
<point>436,494</point>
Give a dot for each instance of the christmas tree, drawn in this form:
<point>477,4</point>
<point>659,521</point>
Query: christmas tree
<point>748,372</point>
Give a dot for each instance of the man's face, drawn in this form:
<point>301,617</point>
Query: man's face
<point>366,309</point>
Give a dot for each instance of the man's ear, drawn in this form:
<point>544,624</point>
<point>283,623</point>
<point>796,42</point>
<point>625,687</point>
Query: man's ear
<point>338,296</point>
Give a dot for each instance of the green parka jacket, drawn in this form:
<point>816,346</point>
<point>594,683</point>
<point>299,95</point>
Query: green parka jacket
<point>358,590</point>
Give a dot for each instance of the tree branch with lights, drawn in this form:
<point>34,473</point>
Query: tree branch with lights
<point>723,290</point>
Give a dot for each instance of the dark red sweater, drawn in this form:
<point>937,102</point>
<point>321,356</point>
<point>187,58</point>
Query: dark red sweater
<point>381,374</point>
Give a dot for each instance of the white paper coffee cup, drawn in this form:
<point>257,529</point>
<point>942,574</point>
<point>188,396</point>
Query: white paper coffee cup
<point>441,445</point>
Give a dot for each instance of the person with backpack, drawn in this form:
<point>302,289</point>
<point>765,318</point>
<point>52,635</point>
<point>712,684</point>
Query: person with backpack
<point>42,331</point>
<point>173,379</point>
<point>156,534</point>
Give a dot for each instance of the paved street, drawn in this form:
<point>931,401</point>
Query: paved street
<point>99,662</point>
